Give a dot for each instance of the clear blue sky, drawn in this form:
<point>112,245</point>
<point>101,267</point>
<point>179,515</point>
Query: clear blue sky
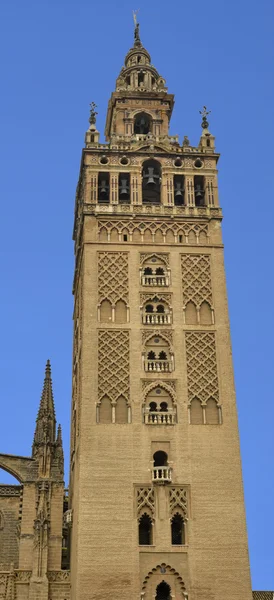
<point>56,57</point>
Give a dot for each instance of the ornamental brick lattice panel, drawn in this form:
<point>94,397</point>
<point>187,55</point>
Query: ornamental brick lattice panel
<point>202,376</point>
<point>113,276</point>
<point>113,364</point>
<point>196,278</point>
<point>178,500</point>
<point>145,501</point>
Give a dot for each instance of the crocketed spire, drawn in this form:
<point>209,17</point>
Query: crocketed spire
<point>45,430</point>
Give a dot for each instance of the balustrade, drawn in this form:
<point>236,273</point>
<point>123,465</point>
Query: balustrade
<point>155,280</point>
<point>161,474</point>
<point>160,418</point>
<point>157,319</point>
<point>158,366</point>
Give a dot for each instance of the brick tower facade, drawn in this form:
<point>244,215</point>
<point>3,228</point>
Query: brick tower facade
<point>155,481</point>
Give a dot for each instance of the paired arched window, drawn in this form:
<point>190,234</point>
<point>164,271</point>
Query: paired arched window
<point>156,312</point>
<point>208,414</point>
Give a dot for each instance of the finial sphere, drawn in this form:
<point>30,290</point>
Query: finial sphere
<point>205,114</point>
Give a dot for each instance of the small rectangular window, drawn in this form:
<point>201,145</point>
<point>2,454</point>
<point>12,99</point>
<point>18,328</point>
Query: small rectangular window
<point>180,239</point>
<point>125,237</point>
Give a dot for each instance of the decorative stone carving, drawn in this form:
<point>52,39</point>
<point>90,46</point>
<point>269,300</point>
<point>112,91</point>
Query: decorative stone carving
<point>202,376</point>
<point>164,333</point>
<point>113,364</point>
<point>178,500</point>
<point>10,490</point>
<point>196,278</point>
<point>59,576</point>
<point>113,276</point>
<point>145,501</point>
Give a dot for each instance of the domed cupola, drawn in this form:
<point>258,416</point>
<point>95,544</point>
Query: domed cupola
<point>138,72</point>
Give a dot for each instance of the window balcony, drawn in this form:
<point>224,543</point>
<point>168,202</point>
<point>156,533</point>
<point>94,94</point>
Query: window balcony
<point>160,418</point>
<point>155,280</point>
<point>161,474</point>
<point>156,319</point>
<point>158,366</point>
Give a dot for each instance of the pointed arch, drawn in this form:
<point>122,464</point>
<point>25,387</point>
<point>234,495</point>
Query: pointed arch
<point>160,335</point>
<point>158,236</point>
<point>121,410</point>
<point>114,235</point>
<point>205,314</point>
<point>105,311</point>
<point>191,313</point>
<point>192,238</point>
<point>170,237</point>
<point>145,530</point>
<point>196,412</point>
<point>105,411</point>
<point>103,235</point>
<point>120,312</point>
<point>177,530</point>
<point>159,384</point>
<point>155,576</point>
<point>212,412</point>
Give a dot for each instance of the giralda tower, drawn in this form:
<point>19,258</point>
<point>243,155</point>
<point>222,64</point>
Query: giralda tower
<point>155,479</point>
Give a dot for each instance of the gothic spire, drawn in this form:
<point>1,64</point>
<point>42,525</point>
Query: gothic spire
<point>46,422</point>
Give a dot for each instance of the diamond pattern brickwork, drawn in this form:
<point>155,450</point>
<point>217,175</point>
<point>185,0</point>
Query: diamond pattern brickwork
<point>113,364</point>
<point>202,376</point>
<point>196,278</point>
<point>113,276</point>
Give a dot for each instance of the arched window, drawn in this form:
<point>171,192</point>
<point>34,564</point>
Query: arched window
<point>121,411</point>
<point>142,123</point>
<point>212,412</point>
<point>163,591</point>
<point>160,458</point>
<point>177,530</point>
<point>148,271</point>
<point>162,355</point>
<point>163,407</point>
<point>196,412</point>
<point>103,188</point>
<point>153,407</point>
<point>105,412</point>
<point>151,355</point>
<point>159,271</point>
<point>145,530</point>
<point>151,182</point>
<point>160,308</point>
<point>199,190</point>
<point>149,308</point>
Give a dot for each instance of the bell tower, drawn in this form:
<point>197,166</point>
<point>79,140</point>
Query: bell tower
<point>156,498</point>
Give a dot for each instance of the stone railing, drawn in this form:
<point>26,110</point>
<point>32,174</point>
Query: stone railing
<point>154,209</point>
<point>158,366</point>
<point>160,418</point>
<point>155,280</point>
<point>161,474</point>
<point>156,319</point>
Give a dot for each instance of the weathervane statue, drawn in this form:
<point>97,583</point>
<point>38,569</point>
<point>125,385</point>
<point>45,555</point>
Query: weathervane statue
<point>137,40</point>
<point>205,114</point>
